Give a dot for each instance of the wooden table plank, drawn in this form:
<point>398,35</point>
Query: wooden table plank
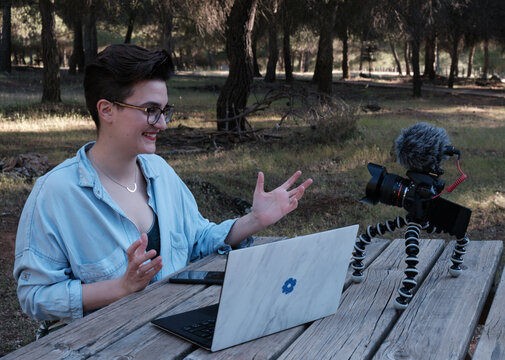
<point>441,319</point>
<point>492,341</point>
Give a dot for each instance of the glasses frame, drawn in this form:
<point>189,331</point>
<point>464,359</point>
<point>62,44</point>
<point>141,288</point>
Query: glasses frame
<point>145,109</point>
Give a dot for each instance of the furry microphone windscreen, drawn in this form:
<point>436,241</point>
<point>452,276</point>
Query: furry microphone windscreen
<point>421,147</point>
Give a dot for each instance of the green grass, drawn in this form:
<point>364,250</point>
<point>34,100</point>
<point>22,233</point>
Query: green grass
<point>338,168</point>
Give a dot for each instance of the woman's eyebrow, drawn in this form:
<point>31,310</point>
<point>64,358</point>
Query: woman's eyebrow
<point>151,103</point>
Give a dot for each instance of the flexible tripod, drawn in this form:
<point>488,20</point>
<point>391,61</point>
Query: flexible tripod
<point>411,249</point>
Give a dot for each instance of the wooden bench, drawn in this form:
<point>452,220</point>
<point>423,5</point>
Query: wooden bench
<point>438,323</point>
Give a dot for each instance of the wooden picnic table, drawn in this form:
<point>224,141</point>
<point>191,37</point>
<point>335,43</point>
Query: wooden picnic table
<point>438,324</point>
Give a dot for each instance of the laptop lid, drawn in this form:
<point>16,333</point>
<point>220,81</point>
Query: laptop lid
<point>276,286</point>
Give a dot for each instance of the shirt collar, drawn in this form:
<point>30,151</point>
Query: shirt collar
<point>147,167</point>
<point>87,174</point>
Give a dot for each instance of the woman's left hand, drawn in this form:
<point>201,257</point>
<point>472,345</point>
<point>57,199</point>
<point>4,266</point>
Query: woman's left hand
<point>270,207</point>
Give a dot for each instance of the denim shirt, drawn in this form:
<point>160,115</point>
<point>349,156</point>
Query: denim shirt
<point>71,232</point>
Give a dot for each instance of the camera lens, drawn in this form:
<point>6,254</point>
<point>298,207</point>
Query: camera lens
<point>387,188</point>
<point>393,189</point>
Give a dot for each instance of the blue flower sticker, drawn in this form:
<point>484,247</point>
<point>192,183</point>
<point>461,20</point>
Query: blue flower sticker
<point>289,285</point>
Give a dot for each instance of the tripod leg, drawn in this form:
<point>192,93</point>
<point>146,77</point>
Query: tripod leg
<point>412,250</point>
<point>365,239</point>
<point>457,256</point>
<point>359,254</point>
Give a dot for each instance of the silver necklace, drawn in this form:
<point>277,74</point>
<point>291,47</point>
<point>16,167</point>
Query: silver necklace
<point>103,172</point>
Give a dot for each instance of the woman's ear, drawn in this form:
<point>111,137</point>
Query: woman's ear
<point>105,110</point>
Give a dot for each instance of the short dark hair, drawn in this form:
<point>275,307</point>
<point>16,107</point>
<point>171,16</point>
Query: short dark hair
<point>115,70</point>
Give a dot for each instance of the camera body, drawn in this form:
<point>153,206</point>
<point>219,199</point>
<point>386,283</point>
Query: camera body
<point>419,195</point>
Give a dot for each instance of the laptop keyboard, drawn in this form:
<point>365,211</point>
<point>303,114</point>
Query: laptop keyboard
<point>203,329</point>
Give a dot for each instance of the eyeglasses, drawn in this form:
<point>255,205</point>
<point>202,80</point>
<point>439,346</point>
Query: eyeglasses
<point>153,112</point>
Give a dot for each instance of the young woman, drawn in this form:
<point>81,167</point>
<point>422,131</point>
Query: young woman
<point>116,217</point>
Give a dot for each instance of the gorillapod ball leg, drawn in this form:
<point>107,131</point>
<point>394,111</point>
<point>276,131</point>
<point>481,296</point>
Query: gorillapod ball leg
<point>365,239</point>
<point>412,250</point>
<point>457,256</point>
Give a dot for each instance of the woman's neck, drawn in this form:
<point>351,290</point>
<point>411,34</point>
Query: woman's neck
<point>115,163</point>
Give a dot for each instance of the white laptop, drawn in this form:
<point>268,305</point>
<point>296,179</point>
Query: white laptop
<point>269,288</point>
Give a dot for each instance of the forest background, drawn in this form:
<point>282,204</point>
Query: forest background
<point>273,85</point>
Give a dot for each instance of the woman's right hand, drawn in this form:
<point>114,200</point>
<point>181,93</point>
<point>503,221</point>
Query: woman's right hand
<point>138,275</point>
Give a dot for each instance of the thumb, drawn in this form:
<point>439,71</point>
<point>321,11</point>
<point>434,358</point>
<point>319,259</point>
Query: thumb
<point>260,183</point>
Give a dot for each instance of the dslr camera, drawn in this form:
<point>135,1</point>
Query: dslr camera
<point>420,148</point>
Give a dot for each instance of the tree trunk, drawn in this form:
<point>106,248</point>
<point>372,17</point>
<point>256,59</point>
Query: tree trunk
<point>77,58</point>
<point>471,53</point>
<point>131,22</point>
<point>306,62</point>
<point>361,55</point>
<point>273,49</point>
<point>235,92</point>
<point>286,44</point>
<point>5,41</point>
<point>254,45</point>
<point>166,39</point>
<point>315,76</point>
<point>454,61</point>
<point>345,55</point>
<point>406,54</point>
<point>395,55</point>
<point>429,58</point>
<point>486,59</point>
<point>212,60</point>
<point>323,75</point>
<point>90,36</point>
<point>416,81</point>
<point>51,72</point>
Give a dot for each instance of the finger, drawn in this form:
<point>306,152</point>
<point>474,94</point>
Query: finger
<point>143,244</point>
<point>299,193</point>
<point>260,183</point>
<point>293,204</point>
<point>291,180</point>
<point>295,191</point>
<point>141,259</point>
<point>307,183</point>
<point>133,248</point>
<point>145,268</point>
<point>152,270</point>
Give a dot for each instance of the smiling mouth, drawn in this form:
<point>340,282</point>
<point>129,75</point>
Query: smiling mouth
<point>150,136</point>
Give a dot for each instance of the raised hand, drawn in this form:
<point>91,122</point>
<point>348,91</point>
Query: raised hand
<point>138,275</point>
<point>270,207</point>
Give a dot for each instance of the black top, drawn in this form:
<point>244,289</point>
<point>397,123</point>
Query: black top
<point>153,236</point>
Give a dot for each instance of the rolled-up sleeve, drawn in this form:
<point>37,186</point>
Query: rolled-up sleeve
<point>45,291</point>
<point>46,288</point>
